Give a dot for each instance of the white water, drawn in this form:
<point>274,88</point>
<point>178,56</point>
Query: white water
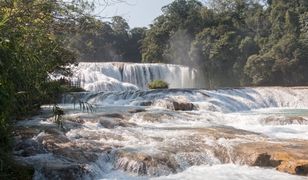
<point>187,139</point>
<point>226,101</point>
<point>215,172</point>
<point>127,76</point>
<point>229,172</point>
<point>265,110</point>
<point>284,123</point>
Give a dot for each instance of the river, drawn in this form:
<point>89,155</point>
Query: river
<point>177,133</point>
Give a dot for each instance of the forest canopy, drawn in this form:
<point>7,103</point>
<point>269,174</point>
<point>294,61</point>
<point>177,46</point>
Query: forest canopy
<point>232,42</point>
<point>235,43</point>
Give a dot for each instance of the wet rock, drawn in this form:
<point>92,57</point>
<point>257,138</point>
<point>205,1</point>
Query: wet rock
<point>114,115</point>
<point>272,120</point>
<point>145,164</point>
<point>176,103</point>
<point>21,133</point>
<point>60,145</point>
<point>211,144</point>
<point>107,123</point>
<point>63,171</point>
<point>289,156</point>
<point>28,147</point>
<point>265,160</point>
<point>239,146</point>
<point>113,123</point>
<point>114,120</point>
<point>56,155</point>
<point>164,103</point>
<point>160,150</point>
<point>156,116</point>
<point>136,110</point>
<point>302,170</point>
<point>75,153</point>
<point>101,116</point>
<point>51,137</point>
<point>72,122</point>
<point>145,103</point>
<point>183,106</point>
<point>68,125</point>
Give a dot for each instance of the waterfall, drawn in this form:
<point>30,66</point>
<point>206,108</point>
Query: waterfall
<point>131,76</point>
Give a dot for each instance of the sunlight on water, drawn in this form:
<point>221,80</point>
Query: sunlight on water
<point>146,137</point>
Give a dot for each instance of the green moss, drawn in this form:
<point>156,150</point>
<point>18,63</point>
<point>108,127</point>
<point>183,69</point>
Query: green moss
<point>158,84</point>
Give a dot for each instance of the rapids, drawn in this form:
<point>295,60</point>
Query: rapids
<point>243,133</point>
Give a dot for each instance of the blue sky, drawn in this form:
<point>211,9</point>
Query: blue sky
<point>138,13</point>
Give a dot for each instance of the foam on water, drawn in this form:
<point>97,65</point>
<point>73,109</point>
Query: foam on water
<point>229,172</point>
<point>213,172</point>
<point>285,123</point>
<point>228,100</point>
<point>190,139</point>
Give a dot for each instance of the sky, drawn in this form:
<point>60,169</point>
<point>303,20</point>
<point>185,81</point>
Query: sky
<point>138,13</point>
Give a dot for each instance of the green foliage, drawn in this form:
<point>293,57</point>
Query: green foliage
<point>172,32</point>
<point>158,84</point>
<point>95,40</point>
<point>240,42</point>
<point>31,47</point>
<point>260,69</point>
<point>67,88</point>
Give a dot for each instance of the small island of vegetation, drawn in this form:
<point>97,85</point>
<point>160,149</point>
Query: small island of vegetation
<point>158,84</point>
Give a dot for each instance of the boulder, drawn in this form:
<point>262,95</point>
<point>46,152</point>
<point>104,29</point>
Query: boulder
<point>288,156</point>
<point>176,103</point>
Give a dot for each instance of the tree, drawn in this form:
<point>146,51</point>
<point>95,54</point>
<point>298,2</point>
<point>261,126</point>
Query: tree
<point>133,48</point>
<point>96,40</point>
<point>233,43</point>
<point>31,47</point>
<point>259,69</point>
<point>178,17</point>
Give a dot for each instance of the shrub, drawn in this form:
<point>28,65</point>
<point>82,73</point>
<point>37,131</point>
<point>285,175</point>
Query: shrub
<point>158,84</point>
<point>58,113</point>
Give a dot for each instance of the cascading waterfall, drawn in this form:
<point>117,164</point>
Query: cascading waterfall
<point>223,100</point>
<point>127,76</point>
<point>136,133</point>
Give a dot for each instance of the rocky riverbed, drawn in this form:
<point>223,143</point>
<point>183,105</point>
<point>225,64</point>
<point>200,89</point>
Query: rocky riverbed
<point>169,135</point>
